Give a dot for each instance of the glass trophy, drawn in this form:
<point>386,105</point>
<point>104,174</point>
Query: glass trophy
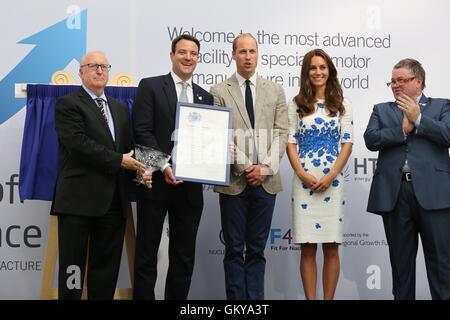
<point>153,159</point>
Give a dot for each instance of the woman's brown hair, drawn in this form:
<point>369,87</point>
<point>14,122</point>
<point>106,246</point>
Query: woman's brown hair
<point>306,97</point>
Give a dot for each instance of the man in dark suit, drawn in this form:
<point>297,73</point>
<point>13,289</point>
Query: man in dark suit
<point>411,184</point>
<point>91,198</point>
<point>154,112</point>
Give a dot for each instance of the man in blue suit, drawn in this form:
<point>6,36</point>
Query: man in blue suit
<point>154,112</point>
<point>411,184</point>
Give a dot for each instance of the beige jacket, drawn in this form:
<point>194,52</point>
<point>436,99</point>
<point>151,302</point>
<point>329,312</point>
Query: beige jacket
<point>266,144</point>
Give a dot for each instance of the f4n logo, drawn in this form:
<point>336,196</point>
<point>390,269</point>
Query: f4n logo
<point>281,234</point>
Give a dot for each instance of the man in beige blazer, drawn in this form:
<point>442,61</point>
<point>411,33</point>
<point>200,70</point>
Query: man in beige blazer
<point>260,128</point>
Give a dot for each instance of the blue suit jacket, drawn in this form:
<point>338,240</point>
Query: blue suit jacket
<point>427,150</point>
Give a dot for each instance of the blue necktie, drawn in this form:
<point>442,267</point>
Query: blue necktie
<point>249,102</point>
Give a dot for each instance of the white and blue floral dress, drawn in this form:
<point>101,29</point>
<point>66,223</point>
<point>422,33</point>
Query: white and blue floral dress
<point>318,217</point>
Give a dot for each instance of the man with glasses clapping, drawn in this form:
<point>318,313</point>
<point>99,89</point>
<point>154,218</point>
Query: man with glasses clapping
<point>410,186</point>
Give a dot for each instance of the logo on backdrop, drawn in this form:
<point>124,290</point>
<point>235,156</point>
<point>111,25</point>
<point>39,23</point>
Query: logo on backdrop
<point>54,48</point>
<point>373,281</point>
<point>280,239</point>
<point>364,169</point>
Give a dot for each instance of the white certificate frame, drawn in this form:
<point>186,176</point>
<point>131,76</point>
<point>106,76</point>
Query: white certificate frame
<point>202,139</point>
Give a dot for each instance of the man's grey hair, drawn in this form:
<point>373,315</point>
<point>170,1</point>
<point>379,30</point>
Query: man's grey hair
<point>414,66</point>
<point>91,52</point>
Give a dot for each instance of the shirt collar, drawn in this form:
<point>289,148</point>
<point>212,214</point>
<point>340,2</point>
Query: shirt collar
<point>241,79</point>
<point>93,95</point>
<point>419,97</point>
<point>177,79</point>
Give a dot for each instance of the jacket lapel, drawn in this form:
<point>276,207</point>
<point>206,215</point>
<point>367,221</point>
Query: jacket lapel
<point>198,97</point>
<point>260,97</point>
<point>423,102</point>
<point>235,92</point>
<point>171,94</point>
<point>93,108</point>
<point>116,121</point>
<point>397,112</point>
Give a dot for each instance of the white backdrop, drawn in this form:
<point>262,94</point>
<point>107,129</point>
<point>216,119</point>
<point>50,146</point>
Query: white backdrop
<point>366,38</point>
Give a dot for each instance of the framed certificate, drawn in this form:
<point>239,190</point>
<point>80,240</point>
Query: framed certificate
<point>202,138</point>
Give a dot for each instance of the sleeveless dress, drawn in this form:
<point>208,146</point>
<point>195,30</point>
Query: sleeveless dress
<point>318,217</point>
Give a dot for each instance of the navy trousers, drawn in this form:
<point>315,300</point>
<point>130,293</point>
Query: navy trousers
<point>402,227</point>
<point>246,220</point>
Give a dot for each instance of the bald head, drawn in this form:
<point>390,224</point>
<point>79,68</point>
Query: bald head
<point>94,71</point>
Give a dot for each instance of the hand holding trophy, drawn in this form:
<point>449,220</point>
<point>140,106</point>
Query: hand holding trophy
<point>153,160</point>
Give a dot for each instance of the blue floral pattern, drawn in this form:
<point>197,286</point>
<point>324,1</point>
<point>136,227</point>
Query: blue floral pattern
<point>317,217</point>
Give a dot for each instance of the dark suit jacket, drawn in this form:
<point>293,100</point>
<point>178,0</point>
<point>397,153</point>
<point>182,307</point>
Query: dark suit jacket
<point>89,159</point>
<point>427,150</point>
<point>154,112</point>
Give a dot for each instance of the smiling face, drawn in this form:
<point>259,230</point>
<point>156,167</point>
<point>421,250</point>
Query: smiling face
<point>184,59</point>
<point>404,81</point>
<point>318,73</point>
<point>246,56</point>
<point>95,80</point>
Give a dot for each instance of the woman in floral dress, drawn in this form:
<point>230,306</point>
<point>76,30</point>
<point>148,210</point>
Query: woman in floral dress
<point>320,143</point>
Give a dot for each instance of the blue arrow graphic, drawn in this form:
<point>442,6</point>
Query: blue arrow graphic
<point>55,47</point>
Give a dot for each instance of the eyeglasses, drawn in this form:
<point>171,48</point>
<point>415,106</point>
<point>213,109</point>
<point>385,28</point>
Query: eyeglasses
<point>95,66</point>
<point>399,81</point>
